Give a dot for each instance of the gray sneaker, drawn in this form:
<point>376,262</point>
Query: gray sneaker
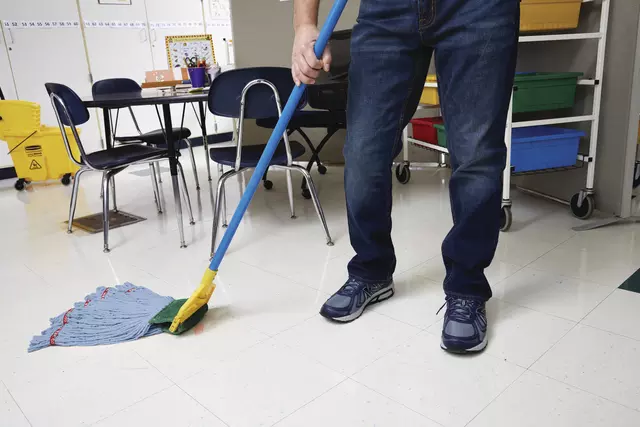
<point>351,299</point>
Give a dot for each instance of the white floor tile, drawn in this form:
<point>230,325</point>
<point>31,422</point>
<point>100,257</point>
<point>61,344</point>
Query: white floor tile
<point>607,256</point>
<point>169,408</point>
<point>261,386</point>
<point>513,248</point>
<point>598,362</point>
<point>551,293</point>
<point>361,342</point>
<point>415,302</point>
<point>218,337</point>
<point>517,334</point>
<point>447,389</point>
<point>619,313</point>
<point>263,301</point>
<point>83,386</point>
<point>534,400</point>
<point>350,404</point>
<point>10,413</point>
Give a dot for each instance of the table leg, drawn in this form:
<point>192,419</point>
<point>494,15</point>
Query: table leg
<point>107,128</point>
<point>173,166</point>
<point>205,142</point>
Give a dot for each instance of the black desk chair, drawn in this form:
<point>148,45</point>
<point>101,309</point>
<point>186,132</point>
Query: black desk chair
<point>71,112</point>
<point>328,98</point>
<point>255,93</point>
<point>156,138</point>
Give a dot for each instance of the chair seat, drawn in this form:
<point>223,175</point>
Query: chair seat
<point>123,155</point>
<point>251,154</point>
<point>156,137</point>
<point>309,119</point>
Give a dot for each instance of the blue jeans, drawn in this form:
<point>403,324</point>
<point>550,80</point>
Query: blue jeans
<point>475,44</point>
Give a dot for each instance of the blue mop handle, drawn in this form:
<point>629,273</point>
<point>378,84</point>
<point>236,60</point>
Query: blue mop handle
<point>274,140</point>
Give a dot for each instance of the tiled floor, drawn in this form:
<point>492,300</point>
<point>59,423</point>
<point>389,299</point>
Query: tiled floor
<point>564,347</point>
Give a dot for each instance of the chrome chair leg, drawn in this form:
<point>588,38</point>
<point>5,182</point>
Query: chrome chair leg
<point>159,171</point>
<point>156,188</point>
<point>290,191</point>
<point>218,206</point>
<point>113,193</point>
<point>224,196</point>
<point>185,193</point>
<point>106,178</point>
<point>74,198</point>
<point>316,201</point>
<point>193,163</point>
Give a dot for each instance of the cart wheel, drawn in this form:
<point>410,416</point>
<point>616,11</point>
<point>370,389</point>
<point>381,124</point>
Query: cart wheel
<point>306,193</point>
<point>66,179</point>
<point>322,169</point>
<point>403,173</point>
<point>20,184</point>
<point>268,185</point>
<point>506,218</point>
<point>586,210</point>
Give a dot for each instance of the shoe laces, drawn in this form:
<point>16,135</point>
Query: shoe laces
<point>460,309</point>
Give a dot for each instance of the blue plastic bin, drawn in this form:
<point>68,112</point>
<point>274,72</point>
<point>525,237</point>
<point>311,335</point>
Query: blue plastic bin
<point>544,147</point>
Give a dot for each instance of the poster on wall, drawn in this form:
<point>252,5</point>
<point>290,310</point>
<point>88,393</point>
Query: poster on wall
<point>189,51</point>
<point>125,2</point>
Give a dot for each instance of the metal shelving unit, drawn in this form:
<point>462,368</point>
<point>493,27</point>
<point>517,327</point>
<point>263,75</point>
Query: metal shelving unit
<point>582,203</point>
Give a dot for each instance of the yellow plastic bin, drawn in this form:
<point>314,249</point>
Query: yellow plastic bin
<point>41,156</point>
<point>430,94</point>
<point>549,15</point>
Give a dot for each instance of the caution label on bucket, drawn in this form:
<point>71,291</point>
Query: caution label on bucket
<point>34,165</point>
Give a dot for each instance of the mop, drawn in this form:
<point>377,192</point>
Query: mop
<point>127,312</point>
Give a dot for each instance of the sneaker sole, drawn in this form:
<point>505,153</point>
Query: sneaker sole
<point>475,349</point>
<point>381,295</point>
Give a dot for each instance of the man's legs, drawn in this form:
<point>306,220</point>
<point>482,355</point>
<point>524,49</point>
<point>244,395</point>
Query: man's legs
<point>475,61</point>
<point>387,73</point>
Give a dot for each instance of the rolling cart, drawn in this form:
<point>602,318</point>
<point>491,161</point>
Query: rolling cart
<point>582,203</point>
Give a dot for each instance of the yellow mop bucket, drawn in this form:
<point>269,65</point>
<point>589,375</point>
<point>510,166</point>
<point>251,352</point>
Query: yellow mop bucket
<point>38,152</point>
<point>42,156</point>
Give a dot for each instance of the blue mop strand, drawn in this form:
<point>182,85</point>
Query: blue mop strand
<point>274,140</point>
<point>107,316</point>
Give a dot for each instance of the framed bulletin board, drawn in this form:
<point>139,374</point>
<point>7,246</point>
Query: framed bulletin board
<point>181,48</point>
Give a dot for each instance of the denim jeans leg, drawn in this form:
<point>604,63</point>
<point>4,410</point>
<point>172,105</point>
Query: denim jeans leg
<point>386,76</point>
<point>475,63</point>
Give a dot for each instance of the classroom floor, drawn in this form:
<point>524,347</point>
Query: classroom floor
<point>564,346</point>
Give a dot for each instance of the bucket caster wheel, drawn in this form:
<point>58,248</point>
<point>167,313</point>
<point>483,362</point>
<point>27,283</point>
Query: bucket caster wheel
<point>268,185</point>
<point>584,210</point>
<point>506,218</point>
<point>403,173</point>
<point>66,179</point>
<point>20,184</point>
<point>306,193</point>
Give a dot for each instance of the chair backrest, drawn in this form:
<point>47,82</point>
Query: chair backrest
<point>340,55</point>
<point>78,114</point>
<point>102,87</point>
<point>70,111</point>
<point>225,94</point>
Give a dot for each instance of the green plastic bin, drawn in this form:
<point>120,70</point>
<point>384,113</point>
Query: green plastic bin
<point>442,135</point>
<point>544,91</point>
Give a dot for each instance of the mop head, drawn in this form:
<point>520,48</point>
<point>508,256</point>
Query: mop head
<point>110,316</point>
